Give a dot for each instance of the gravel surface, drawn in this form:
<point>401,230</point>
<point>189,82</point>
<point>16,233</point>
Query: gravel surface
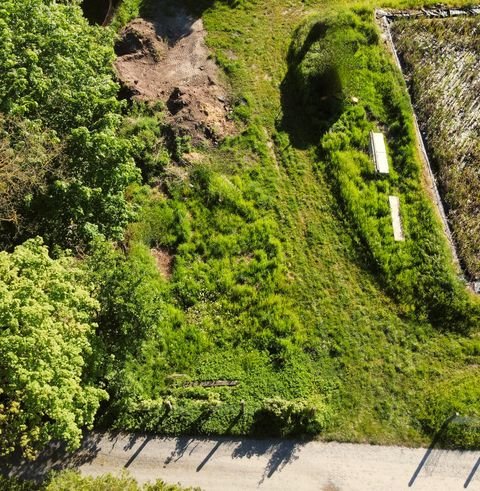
<point>235,464</point>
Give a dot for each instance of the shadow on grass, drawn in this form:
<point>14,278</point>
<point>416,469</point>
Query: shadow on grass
<point>306,118</point>
<point>313,102</point>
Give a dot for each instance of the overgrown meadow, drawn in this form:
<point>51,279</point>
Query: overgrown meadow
<point>285,279</point>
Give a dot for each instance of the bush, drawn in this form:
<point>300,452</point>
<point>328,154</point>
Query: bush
<point>278,417</point>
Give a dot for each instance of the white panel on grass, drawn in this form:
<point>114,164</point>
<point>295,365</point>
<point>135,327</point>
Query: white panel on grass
<point>396,221</point>
<point>379,152</point>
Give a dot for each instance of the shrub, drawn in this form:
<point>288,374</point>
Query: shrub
<point>279,417</point>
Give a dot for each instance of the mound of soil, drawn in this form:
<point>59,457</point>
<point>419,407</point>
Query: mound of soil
<point>165,58</point>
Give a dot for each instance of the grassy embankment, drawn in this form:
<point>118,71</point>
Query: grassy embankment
<point>285,275</point>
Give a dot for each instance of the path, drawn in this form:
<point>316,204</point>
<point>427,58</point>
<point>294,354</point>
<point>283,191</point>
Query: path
<point>235,464</point>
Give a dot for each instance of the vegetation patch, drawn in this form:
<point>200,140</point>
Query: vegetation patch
<point>69,479</point>
<point>286,279</point>
<point>355,103</point>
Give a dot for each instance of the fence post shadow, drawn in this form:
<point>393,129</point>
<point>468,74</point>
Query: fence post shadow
<point>220,441</point>
<point>472,473</point>
<point>138,451</point>
<point>437,438</point>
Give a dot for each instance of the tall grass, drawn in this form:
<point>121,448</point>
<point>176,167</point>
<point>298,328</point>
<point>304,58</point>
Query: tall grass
<point>286,277</point>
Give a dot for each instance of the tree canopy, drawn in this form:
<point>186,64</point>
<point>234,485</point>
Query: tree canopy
<point>46,313</point>
<point>57,73</point>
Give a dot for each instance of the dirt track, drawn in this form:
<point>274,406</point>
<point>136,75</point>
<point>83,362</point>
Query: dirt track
<point>234,464</point>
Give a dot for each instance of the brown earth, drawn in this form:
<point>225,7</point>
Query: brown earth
<point>164,262</point>
<point>165,58</point>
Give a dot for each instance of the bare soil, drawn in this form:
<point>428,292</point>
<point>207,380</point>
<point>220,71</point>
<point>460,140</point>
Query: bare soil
<point>164,262</point>
<point>165,58</point>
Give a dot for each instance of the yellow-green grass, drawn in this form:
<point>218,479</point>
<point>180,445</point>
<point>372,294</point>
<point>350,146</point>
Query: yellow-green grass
<point>375,367</point>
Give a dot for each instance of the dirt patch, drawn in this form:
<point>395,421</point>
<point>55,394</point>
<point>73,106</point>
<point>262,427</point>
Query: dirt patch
<point>164,262</point>
<point>165,58</point>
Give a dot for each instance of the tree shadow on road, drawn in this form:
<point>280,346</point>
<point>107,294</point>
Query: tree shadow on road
<point>183,443</point>
<point>279,453</point>
<point>439,442</point>
<point>54,458</point>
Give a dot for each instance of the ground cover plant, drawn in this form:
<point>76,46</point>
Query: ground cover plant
<point>442,61</point>
<point>282,305</point>
<point>420,279</point>
<point>67,480</point>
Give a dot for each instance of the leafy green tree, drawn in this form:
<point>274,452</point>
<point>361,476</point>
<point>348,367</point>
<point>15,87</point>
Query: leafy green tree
<point>46,313</point>
<point>54,66</point>
<point>56,70</point>
<point>27,157</point>
<point>90,198</point>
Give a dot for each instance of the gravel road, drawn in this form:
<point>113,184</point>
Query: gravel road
<point>240,464</point>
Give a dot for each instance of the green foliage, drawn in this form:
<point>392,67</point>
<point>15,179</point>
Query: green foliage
<point>72,480</point>
<point>416,271</point>
<point>130,296</point>
<point>285,418</point>
<point>452,409</point>
<point>27,157</point>
<point>55,67</point>
<point>145,129</point>
<point>57,71</point>
<point>46,314</point>
<point>91,198</point>
<point>13,484</point>
<point>126,11</point>
<point>269,286</point>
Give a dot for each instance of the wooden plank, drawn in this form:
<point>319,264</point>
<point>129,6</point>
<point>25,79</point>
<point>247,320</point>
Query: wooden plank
<point>379,152</point>
<point>396,220</point>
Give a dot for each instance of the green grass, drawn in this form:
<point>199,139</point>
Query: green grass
<point>274,285</point>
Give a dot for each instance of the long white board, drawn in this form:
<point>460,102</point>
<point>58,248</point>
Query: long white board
<point>396,220</point>
<point>379,152</point>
